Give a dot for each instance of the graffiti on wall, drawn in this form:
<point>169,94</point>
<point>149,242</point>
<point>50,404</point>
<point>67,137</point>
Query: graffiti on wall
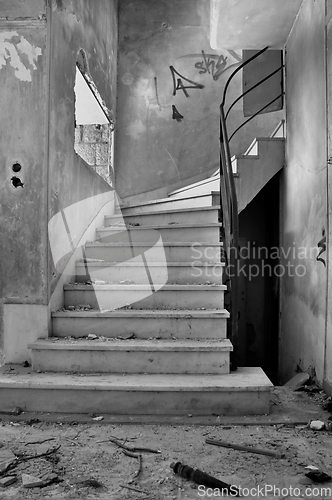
<point>207,64</point>
<point>214,64</point>
<point>179,85</point>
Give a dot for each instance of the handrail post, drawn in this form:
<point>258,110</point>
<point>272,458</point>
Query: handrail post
<point>233,241</point>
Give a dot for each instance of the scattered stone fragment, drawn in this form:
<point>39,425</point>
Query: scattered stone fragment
<point>31,481</point>
<point>311,467</point>
<point>92,336</point>
<point>7,481</point>
<point>6,457</point>
<point>127,337</point>
<point>12,411</point>
<point>98,419</point>
<point>298,381</point>
<point>318,476</point>
<point>70,308</point>
<point>99,282</point>
<point>317,425</point>
<point>49,478</point>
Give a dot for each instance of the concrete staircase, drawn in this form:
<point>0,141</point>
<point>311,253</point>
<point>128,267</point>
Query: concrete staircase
<point>252,171</point>
<point>143,328</point>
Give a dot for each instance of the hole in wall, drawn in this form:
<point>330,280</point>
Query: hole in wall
<point>94,129</point>
<point>16,182</point>
<point>16,167</point>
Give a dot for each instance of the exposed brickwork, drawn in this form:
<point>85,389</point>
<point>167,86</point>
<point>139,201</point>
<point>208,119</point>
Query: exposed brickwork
<point>93,143</point>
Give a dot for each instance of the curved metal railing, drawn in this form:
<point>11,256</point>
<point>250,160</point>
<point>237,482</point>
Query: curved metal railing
<point>228,200</point>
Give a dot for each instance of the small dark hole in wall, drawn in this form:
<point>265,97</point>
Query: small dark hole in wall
<point>16,167</point>
<point>16,182</point>
<point>165,25</point>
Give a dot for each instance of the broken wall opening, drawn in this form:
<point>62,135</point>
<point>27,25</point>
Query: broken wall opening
<point>94,130</point>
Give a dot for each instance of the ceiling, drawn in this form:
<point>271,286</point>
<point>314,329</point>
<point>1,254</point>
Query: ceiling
<point>251,24</point>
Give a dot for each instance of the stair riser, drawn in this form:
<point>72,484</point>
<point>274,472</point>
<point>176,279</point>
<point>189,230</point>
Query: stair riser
<point>118,361</point>
<point>143,328</point>
<point>171,234</point>
<point>173,203</point>
<point>190,253</point>
<point>137,402</point>
<point>143,299</point>
<point>196,217</point>
<point>182,275</point>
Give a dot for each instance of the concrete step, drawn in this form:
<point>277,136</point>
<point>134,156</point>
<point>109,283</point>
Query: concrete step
<point>131,356</point>
<point>172,252</point>
<point>204,200</point>
<point>244,392</point>
<point>198,215</point>
<point>158,273</point>
<point>141,296</point>
<point>191,233</point>
<point>165,324</point>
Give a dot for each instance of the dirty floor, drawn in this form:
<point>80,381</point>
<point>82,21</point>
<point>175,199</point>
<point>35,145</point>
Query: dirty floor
<point>79,454</point>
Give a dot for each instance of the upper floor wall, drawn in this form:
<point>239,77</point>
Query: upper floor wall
<point>170,85</point>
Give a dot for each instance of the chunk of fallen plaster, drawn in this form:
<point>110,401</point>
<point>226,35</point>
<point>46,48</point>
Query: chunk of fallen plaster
<point>31,481</point>
<point>298,381</point>
<point>7,481</point>
<point>317,425</point>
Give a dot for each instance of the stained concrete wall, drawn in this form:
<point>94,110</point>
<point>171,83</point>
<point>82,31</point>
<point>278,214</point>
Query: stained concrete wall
<point>76,25</point>
<point>304,205</point>
<point>39,42</point>
<point>23,244</point>
<point>167,132</point>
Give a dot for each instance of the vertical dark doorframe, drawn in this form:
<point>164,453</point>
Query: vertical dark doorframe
<point>328,319</point>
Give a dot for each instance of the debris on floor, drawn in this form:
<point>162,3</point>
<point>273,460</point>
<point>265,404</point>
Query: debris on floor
<point>201,478</point>
<point>250,449</point>
<point>60,457</point>
<point>317,425</point>
<point>297,381</point>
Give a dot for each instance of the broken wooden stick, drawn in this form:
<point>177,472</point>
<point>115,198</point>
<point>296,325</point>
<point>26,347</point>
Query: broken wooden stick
<point>22,458</point>
<point>245,448</point>
<point>40,442</point>
<point>133,489</point>
<point>134,449</point>
<point>139,458</point>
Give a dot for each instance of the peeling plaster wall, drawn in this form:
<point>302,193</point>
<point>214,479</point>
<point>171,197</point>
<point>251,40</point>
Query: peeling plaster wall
<point>91,26</point>
<point>39,42</point>
<point>23,10</point>
<point>153,150</point>
<point>304,205</point>
<point>23,244</point>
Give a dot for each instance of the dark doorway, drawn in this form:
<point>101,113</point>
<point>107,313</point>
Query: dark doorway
<point>259,281</point>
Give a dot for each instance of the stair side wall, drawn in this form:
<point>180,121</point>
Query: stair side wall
<point>39,103</point>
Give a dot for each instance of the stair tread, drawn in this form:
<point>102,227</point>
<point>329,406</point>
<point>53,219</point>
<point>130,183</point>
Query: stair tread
<point>247,379</point>
<point>80,344</point>
<point>152,263</point>
<point>176,313</point>
<point>134,286</point>
<point>154,244</point>
<point>161,226</point>
<point>167,211</point>
<point>162,201</point>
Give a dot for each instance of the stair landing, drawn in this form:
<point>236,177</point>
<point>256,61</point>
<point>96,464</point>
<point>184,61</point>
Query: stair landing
<point>244,392</point>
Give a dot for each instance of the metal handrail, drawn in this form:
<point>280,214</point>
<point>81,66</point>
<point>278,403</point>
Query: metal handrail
<point>253,87</point>
<point>228,201</point>
<point>253,116</point>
